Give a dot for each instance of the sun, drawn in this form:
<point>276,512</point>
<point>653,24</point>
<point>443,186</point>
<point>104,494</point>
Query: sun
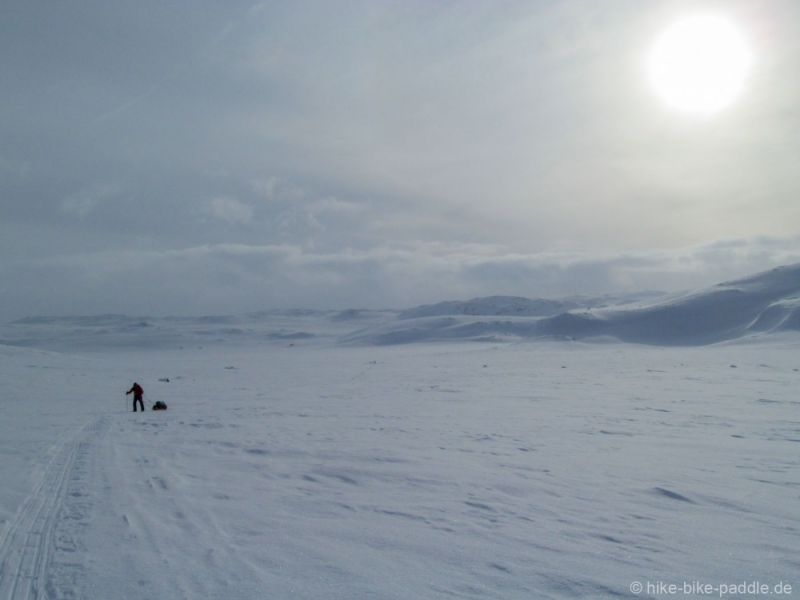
<point>699,65</point>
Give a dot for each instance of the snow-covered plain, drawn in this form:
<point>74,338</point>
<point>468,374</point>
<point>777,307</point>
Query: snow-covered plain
<point>292,465</point>
<point>533,470</point>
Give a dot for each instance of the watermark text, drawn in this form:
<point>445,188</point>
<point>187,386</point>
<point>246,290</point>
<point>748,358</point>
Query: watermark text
<point>713,590</point>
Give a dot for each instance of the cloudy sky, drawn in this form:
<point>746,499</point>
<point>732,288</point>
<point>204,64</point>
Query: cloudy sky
<point>220,157</point>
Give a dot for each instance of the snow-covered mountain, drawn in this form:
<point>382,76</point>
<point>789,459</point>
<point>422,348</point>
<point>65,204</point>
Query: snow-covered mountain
<point>763,303</point>
<point>516,306</point>
<point>492,306</point>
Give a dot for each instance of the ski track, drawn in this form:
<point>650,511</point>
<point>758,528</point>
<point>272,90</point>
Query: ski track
<point>29,541</point>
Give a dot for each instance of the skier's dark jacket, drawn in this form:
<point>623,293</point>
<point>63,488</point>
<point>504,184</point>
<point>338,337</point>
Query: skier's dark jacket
<point>137,391</point>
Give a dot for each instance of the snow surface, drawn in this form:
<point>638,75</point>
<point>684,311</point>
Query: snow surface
<point>535,470</point>
<point>299,460</point>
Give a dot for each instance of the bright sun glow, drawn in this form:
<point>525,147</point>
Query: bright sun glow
<point>699,65</point>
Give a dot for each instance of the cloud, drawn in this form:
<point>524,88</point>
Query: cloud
<point>14,168</point>
<point>86,200</point>
<point>230,210</point>
<point>371,152</point>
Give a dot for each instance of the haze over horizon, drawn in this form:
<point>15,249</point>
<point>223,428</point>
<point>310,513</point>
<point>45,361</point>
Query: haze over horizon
<point>190,158</point>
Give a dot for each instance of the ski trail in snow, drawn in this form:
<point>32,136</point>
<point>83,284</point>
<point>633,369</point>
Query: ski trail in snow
<point>26,545</point>
<point>112,506</point>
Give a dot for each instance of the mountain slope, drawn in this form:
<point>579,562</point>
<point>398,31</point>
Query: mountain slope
<point>762,303</point>
<point>492,306</point>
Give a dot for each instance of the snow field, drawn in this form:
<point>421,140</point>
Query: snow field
<point>424,471</point>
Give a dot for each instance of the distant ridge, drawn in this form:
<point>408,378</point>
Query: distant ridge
<point>492,306</point>
<point>112,331</point>
<point>516,306</point>
<point>758,305</point>
<point>767,302</point>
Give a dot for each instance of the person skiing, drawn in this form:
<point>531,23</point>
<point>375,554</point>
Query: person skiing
<point>137,392</point>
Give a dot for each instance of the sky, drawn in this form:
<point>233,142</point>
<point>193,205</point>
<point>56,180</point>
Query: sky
<point>213,157</point>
